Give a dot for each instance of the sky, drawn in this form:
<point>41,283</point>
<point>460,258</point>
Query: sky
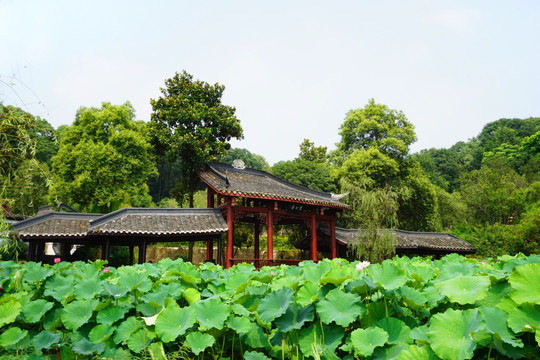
<point>292,69</point>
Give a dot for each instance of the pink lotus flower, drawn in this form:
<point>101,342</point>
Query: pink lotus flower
<point>362,265</point>
<point>57,260</point>
<point>272,272</point>
<point>338,263</point>
<point>1,288</point>
<point>106,270</point>
<point>482,263</point>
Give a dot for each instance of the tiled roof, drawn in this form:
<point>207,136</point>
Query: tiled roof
<point>55,224</point>
<point>143,221</point>
<point>227,180</point>
<point>410,240</point>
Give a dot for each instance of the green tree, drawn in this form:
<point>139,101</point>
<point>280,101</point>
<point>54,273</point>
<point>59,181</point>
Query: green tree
<point>310,152</point>
<point>507,131</point>
<point>250,159</point>
<point>46,143</point>
<point>376,125</point>
<point>313,175</point>
<point>104,160</point>
<point>16,126</point>
<point>190,125</point>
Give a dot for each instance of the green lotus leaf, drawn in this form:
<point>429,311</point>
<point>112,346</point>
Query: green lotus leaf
<point>9,310</point>
<point>464,289</point>
<point>415,352</point>
<point>325,338</point>
<point>60,288</point>
<point>12,336</point>
<point>294,318</point>
<point>420,333</point>
<point>139,340</point>
<point>100,333</point>
<point>525,281</point>
<point>77,313</point>
<point>53,320</point>
<point>85,347</point>
<point>126,328</point>
<point>174,321</point>
<point>115,291</point>
<point>239,324</point>
<point>198,341</point>
<point>412,297</point>
<point>45,339</point>
<point>111,314</point>
<point>339,307</point>
<point>375,311</point>
<point>211,313</point>
<point>156,298</point>
<point>88,288</point>
<point>314,272</point>
<point>525,318</point>
<point>398,331</point>
<point>191,295</point>
<point>364,341</point>
<point>388,351</point>
<point>421,272</point>
<point>450,270</point>
<point>450,333</point>
<point>387,275</point>
<point>35,272</point>
<point>495,294</point>
<point>274,304</point>
<point>235,281</point>
<point>157,352</point>
<point>239,310</point>
<point>308,293</point>
<point>131,280</point>
<point>254,355</point>
<point>336,276</point>
<point>496,320</point>
<point>255,337</point>
<point>34,310</point>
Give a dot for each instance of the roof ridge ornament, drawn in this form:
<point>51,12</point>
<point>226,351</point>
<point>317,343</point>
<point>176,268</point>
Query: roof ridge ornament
<point>238,164</point>
<point>338,196</point>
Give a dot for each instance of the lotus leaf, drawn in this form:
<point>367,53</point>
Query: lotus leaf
<point>174,321</point>
<point>364,341</point>
<point>314,272</point>
<point>255,337</point>
<point>254,355</point>
<point>60,287</point>
<point>420,333</point>
<point>307,294</point>
<point>198,341</point>
<point>464,289</point>
<point>239,324</point>
<point>125,329</point>
<point>240,310</point>
<point>525,281</point>
<point>88,288</point>
<point>100,333</point>
<point>34,310</point>
<point>524,318</point>
<point>12,336</point>
<point>388,351</point>
<point>111,314</point>
<point>139,340</point>
<point>325,338</point>
<point>235,281</point>
<point>157,352</point>
<point>131,280</point>
<point>45,339</point>
<point>415,352</point>
<point>387,275</point>
<point>496,320</point>
<point>398,331</point>
<point>77,313</point>
<point>191,295</point>
<point>211,313</point>
<point>35,272</point>
<point>274,304</point>
<point>339,307</point>
<point>375,311</point>
<point>85,347</point>
<point>450,333</point>
<point>294,318</point>
<point>337,276</point>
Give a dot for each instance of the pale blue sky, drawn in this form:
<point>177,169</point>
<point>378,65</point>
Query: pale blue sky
<point>292,69</point>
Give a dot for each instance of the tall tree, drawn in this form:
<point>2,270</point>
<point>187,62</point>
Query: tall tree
<point>15,136</point>
<point>104,160</point>
<point>190,125</point>
<point>250,159</point>
<point>310,152</point>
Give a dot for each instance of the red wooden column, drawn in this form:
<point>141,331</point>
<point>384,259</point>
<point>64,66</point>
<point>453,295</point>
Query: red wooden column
<point>333,249</point>
<point>270,234</point>
<point>314,237</point>
<point>209,243</point>
<point>256,235</point>
<point>230,225</point>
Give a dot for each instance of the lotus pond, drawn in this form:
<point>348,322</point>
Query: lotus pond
<point>453,308</point>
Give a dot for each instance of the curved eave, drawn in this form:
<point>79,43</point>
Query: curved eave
<point>158,233</point>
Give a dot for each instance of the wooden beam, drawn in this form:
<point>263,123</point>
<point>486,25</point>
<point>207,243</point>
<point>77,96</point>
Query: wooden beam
<point>333,249</point>
<point>230,232</point>
<point>257,232</point>
<point>313,238</point>
<point>270,234</point>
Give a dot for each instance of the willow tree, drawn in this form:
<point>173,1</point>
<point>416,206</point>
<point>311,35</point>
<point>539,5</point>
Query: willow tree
<point>191,126</point>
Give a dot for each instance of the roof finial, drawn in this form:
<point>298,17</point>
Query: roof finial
<point>238,164</point>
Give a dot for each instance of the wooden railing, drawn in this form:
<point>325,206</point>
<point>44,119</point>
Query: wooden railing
<point>258,263</point>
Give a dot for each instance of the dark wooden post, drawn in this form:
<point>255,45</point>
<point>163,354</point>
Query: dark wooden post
<point>142,251</point>
<point>270,235</point>
<point>333,249</point>
<point>230,225</point>
<point>209,243</point>
<point>130,254</point>
<point>31,250</point>
<point>314,237</point>
<point>219,252</point>
<point>105,250</point>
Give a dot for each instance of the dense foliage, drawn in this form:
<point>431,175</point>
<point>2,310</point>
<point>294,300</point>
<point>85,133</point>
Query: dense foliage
<point>453,308</point>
